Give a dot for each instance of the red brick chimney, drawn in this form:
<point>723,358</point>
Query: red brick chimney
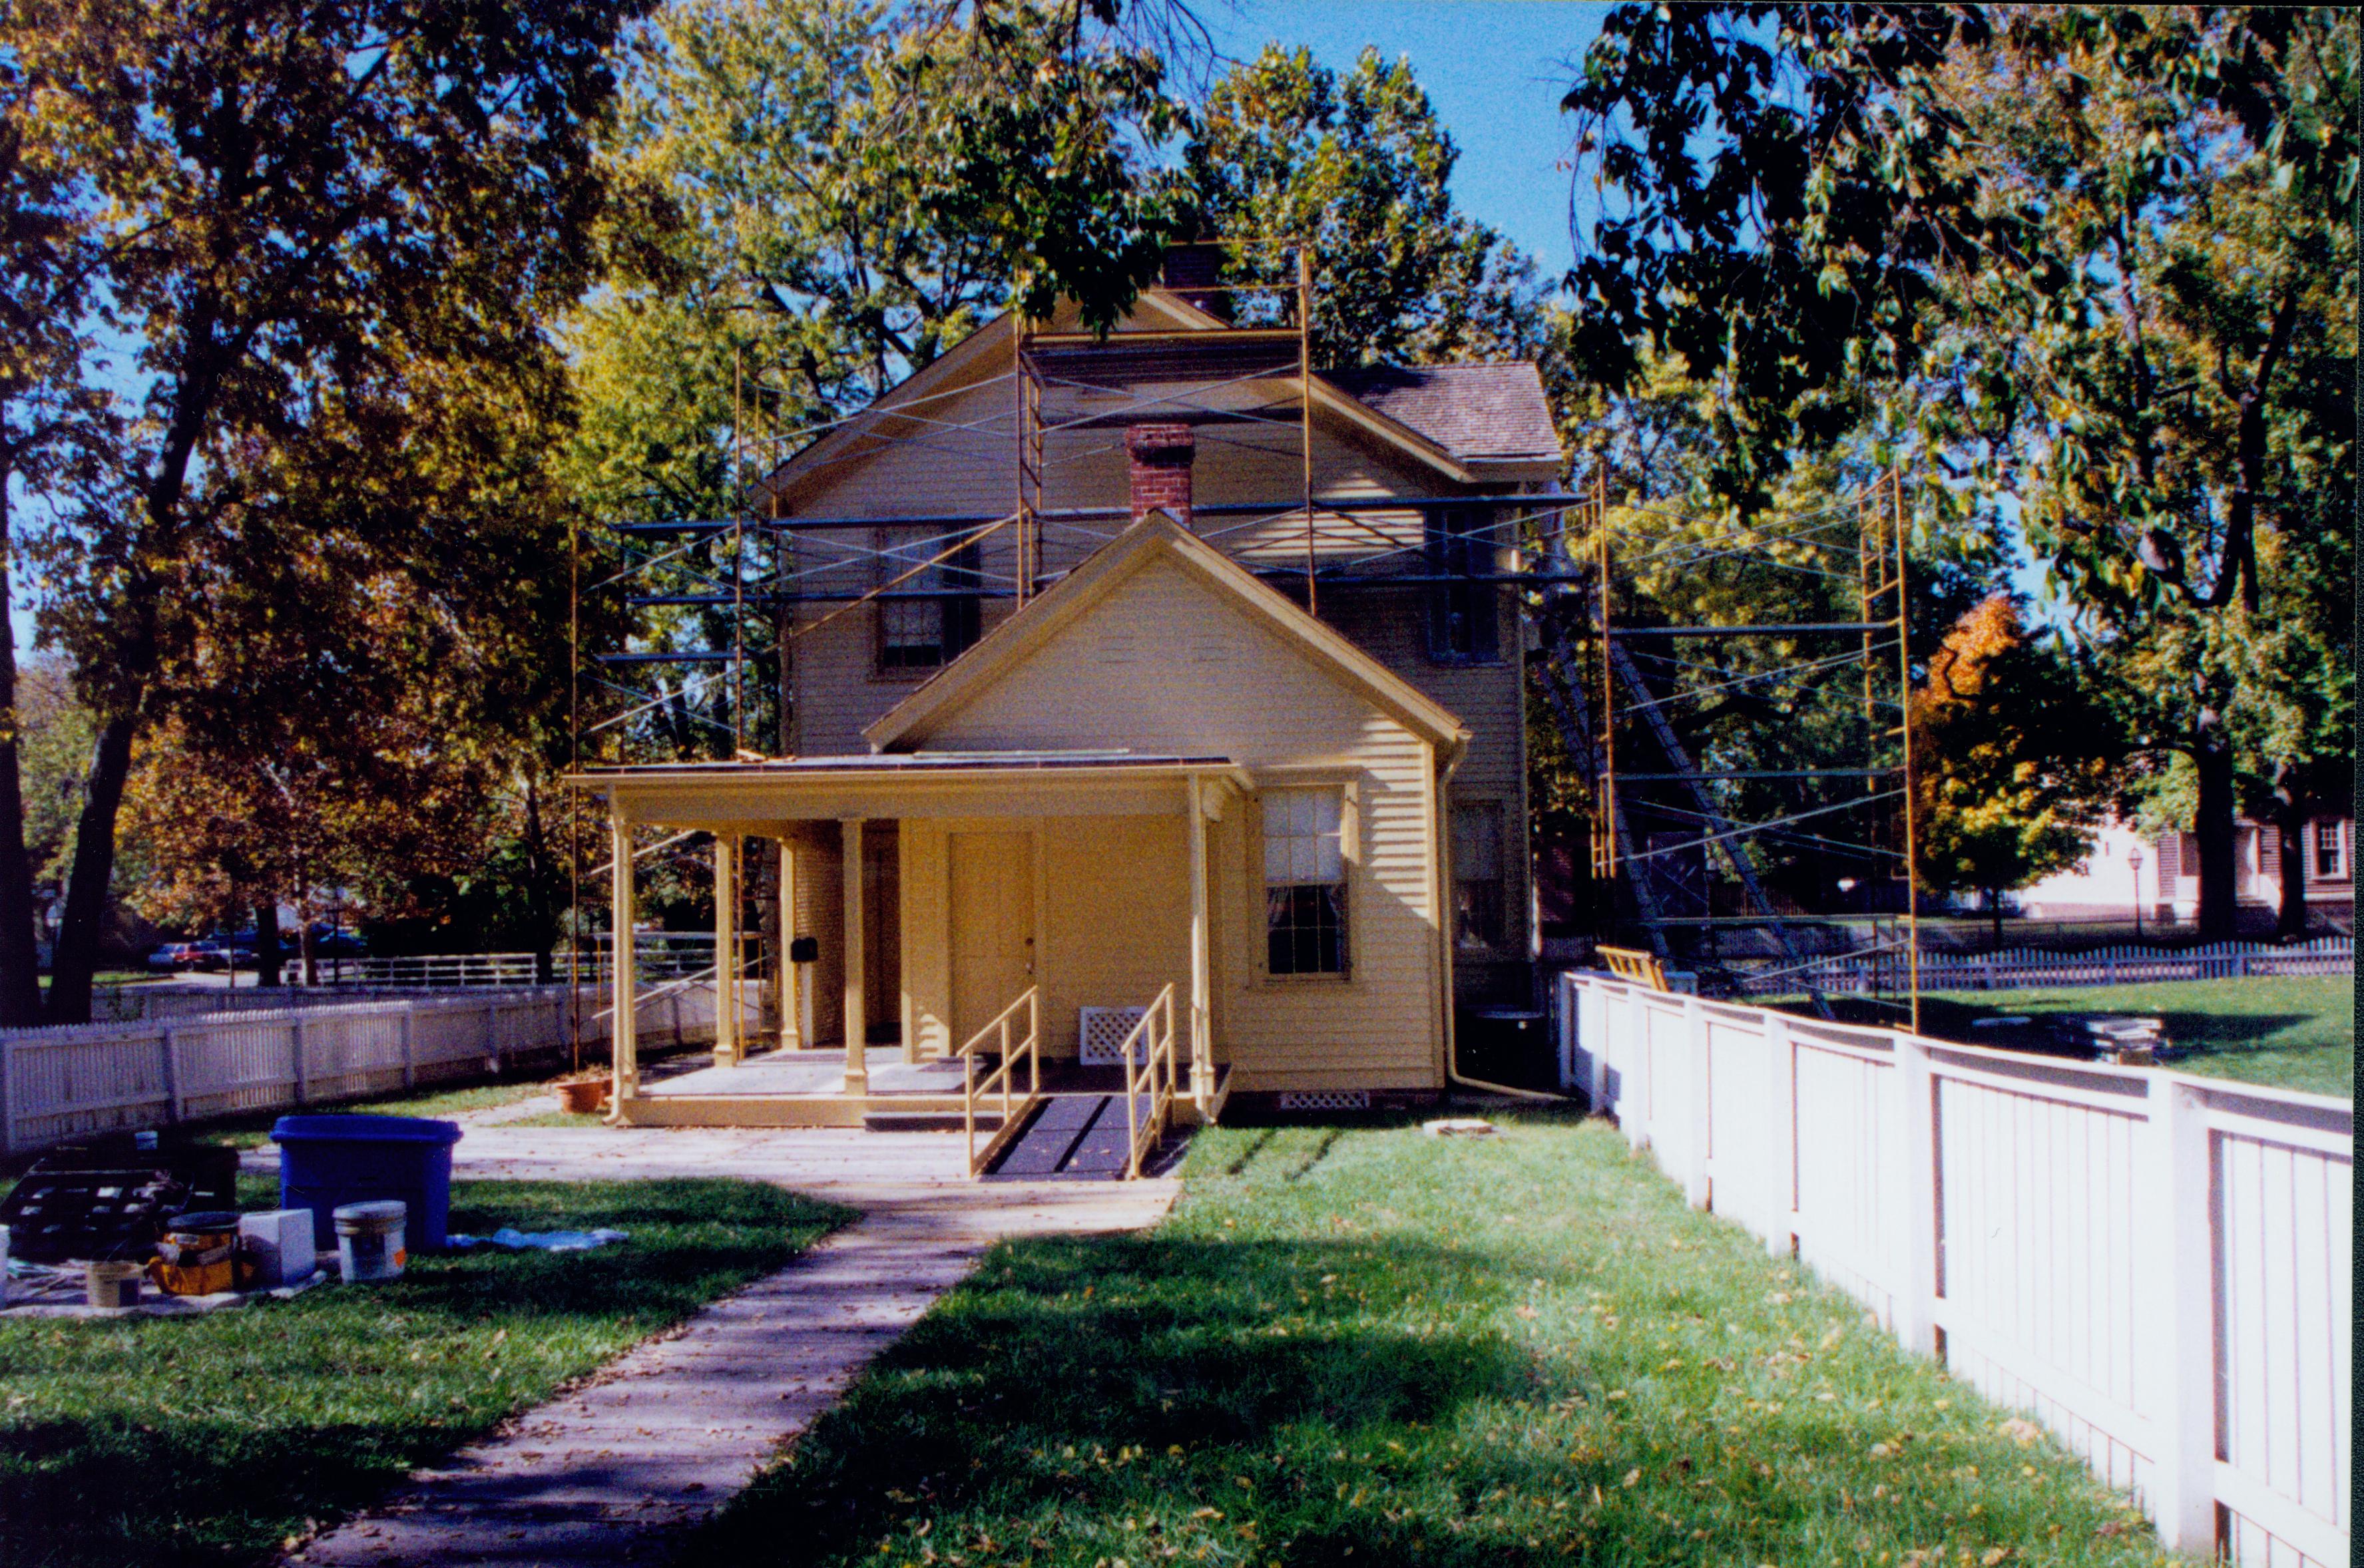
<point>1161,470</point>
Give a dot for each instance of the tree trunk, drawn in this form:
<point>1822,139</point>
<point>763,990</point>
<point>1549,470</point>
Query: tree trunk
<point>2214,825</point>
<point>1994,907</point>
<point>21,979</point>
<point>2291,809</point>
<point>266,939</point>
<point>93,874</point>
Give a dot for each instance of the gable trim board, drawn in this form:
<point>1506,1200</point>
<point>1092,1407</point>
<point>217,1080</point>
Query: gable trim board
<point>1157,537</point>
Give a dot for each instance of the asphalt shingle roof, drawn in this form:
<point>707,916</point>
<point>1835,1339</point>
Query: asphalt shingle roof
<point>1472,411</point>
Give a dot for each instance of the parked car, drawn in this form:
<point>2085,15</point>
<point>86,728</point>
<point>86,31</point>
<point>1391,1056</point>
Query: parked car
<point>177,956</point>
<point>328,941</point>
<point>227,952</point>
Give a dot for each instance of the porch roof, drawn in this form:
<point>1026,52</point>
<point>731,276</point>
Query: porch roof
<point>898,784</point>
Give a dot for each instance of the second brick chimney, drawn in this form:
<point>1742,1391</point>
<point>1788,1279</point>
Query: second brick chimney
<point>1161,470</point>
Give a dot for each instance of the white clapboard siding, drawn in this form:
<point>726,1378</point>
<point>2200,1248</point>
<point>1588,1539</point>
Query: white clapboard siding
<point>70,1082</point>
<point>2155,1265</point>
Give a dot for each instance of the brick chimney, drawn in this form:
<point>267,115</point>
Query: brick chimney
<point>1161,470</point>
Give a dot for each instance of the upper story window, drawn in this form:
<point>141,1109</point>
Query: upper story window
<point>1463,617</point>
<point>931,618</point>
<point>1304,882</point>
<point>2328,860</point>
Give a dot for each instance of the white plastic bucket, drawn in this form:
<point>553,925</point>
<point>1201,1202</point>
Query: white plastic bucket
<point>369,1240</point>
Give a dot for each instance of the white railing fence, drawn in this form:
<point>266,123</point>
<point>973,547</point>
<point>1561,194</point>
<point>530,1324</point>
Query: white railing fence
<point>2154,1264</point>
<point>2016,967</point>
<point>64,1082</point>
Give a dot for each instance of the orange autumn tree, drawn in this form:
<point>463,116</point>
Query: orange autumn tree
<point>2010,761</point>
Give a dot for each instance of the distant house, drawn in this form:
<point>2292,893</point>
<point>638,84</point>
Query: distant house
<point>1160,765</point>
<point>2159,874</point>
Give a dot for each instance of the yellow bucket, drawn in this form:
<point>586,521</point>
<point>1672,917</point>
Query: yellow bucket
<point>197,1255</point>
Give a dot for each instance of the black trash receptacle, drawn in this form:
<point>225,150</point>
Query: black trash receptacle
<point>1510,1046</point>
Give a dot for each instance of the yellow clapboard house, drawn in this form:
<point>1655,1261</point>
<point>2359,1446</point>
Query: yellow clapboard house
<point>1146,691</point>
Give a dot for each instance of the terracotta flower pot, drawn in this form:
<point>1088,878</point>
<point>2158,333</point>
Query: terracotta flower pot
<point>584,1097</point>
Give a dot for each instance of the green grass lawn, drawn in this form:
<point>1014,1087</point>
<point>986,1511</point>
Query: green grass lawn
<point>1371,1347</point>
<point>2291,1033</point>
<point>211,1440</point>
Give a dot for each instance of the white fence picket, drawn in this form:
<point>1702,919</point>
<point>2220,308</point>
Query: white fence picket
<point>59,1083</point>
<point>2014,968</point>
<point>2154,1264</point>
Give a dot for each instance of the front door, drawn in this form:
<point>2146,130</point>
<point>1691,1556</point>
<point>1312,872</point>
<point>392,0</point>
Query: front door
<point>992,908</point>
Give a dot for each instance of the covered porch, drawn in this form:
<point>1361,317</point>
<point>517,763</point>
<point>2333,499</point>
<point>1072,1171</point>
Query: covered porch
<point>1032,899</point>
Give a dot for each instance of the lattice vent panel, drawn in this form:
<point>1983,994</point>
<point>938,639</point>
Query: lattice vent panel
<point>1102,1031</point>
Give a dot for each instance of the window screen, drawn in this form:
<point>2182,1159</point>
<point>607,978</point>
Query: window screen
<point>1304,882</point>
<point>1477,874</point>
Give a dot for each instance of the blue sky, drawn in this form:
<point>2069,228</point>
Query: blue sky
<point>1495,71</point>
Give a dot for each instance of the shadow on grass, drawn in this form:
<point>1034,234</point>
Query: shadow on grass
<point>1067,1366</point>
<point>1348,1350</point>
<point>209,1440</point>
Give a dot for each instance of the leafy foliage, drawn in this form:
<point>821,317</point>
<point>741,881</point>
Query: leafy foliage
<point>330,235</point>
<point>1288,152</point>
<point>2009,762</point>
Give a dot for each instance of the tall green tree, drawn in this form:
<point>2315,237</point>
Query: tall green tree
<point>289,208</point>
<point>857,186</point>
<point>2093,261</point>
<point>1358,168</point>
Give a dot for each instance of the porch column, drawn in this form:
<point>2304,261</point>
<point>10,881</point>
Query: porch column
<point>857,1069</point>
<point>623,1033</point>
<point>1202,1055</point>
<point>792,1010</point>
<point>729,1013</point>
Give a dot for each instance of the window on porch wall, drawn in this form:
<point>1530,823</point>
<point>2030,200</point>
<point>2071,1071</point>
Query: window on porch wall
<point>939,623</point>
<point>1304,882</point>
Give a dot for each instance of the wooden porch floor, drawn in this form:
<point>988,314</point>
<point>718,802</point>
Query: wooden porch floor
<point>821,1074</point>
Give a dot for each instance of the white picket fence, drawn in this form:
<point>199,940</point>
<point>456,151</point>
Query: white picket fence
<point>2154,1264</point>
<point>58,1084</point>
<point>2017,967</point>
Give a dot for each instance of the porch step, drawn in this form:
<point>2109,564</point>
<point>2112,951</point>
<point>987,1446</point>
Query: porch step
<point>1077,1137</point>
<point>926,1121</point>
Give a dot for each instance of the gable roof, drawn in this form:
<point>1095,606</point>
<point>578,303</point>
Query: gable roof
<point>1476,412</point>
<point>1159,537</point>
<point>1449,417</point>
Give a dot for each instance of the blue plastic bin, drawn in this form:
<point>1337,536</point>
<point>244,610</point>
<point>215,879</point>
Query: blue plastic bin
<point>325,1161</point>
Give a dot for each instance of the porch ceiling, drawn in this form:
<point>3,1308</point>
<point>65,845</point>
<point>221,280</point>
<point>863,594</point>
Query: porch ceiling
<point>1010,783</point>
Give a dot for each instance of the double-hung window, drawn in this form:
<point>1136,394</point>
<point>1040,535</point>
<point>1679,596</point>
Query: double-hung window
<point>1462,624</point>
<point>2329,861</point>
<point>930,618</point>
<point>1477,874</point>
<point>1304,882</point>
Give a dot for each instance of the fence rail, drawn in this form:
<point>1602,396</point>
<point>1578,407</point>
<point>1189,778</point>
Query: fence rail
<point>2154,1264</point>
<point>69,1081</point>
<point>2019,967</point>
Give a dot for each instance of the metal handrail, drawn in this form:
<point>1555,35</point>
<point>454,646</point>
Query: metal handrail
<point>971,1087</point>
<point>1155,1030</point>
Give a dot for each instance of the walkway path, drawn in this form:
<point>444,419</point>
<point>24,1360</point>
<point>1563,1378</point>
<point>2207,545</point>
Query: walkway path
<point>673,1430</point>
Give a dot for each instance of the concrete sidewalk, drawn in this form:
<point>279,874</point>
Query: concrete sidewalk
<point>666,1435</point>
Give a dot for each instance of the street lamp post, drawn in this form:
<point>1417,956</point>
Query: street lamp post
<point>2135,859</point>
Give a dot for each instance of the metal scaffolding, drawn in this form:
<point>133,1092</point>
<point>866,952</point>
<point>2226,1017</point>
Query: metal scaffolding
<point>1816,896</point>
<point>686,633</point>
